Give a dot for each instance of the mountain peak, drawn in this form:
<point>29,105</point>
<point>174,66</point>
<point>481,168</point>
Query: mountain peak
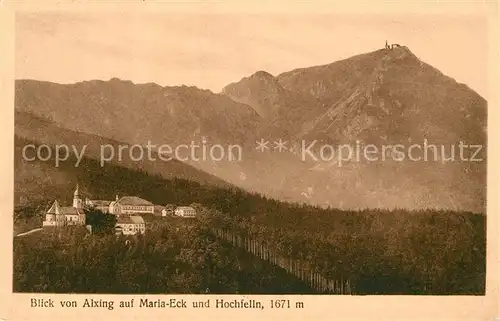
<point>262,75</point>
<point>118,80</point>
<point>400,52</point>
<point>261,91</point>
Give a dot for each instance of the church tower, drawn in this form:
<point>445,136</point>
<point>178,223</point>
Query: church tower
<point>77,200</point>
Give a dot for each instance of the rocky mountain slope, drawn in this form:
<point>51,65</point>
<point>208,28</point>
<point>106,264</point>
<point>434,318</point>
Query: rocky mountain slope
<point>385,97</point>
<point>138,113</point>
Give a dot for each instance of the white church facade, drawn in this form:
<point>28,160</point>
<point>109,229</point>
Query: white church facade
<point>127,209</point>
<point>66,215</point>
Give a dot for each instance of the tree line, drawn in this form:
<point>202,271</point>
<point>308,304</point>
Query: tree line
<point>379,251</point>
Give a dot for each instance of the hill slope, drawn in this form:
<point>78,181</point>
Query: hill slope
<point>381,252</point>
<point>393,94</point>
<point>33,179</point>
<point>138,113</point>
<point>384,97</point>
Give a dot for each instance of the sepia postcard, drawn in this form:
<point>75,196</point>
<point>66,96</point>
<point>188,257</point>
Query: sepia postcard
<point>243,160</point>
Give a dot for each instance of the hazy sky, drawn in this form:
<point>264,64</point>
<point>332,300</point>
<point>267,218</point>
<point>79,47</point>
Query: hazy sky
<point>210,51</point>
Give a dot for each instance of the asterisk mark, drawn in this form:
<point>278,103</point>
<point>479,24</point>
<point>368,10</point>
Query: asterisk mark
<point>262,145</point>
<point>280,145</point>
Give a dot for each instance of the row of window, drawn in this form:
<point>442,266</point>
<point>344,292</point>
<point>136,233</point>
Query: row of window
<point>133,227</point>
<point>68,218</point>
<point>186,213</point>
<point>137,208</point>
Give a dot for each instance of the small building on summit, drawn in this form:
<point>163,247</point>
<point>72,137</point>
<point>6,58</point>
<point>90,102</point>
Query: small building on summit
<point>391,46</point>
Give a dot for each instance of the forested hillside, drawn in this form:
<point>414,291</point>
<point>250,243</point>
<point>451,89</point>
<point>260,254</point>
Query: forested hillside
<point>168,259</point>
<point>384,252</point>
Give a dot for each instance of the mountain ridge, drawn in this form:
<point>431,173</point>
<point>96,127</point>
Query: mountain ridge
<point>42,131</point>
<point>362,81</point>
<point>381,97</point>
